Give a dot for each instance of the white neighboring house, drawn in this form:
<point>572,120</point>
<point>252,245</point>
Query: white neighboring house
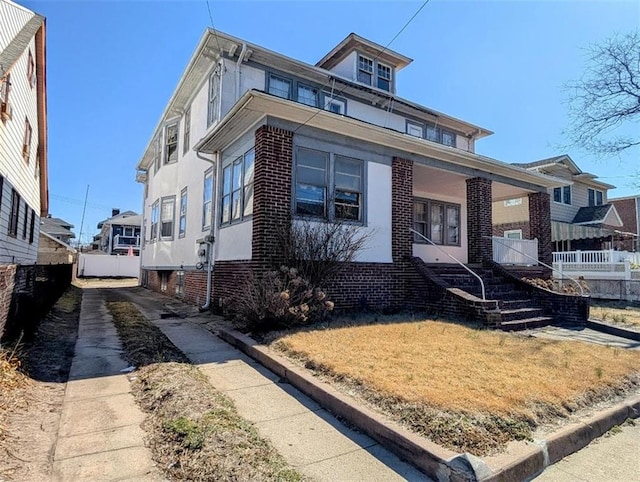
<point>251,137</point>
<point>23,131</point>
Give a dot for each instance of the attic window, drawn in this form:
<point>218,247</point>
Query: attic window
<point>384,77</point>
<point>365,69</point>
<point>31,71</point>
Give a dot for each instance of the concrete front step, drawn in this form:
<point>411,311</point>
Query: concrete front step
<point>521,314</point>
<point>526,324</point>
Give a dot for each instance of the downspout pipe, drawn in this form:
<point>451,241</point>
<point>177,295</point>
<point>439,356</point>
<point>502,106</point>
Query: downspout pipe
<point>211,238</point>
<point>243,52</point>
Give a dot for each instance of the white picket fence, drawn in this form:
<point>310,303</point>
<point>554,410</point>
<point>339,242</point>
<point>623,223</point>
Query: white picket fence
<point>107,266</point>
<point>603,264</point>
<point>515,251</point>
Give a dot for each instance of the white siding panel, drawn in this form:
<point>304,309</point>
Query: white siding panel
<point>347,67</point>
<point>13,18</point>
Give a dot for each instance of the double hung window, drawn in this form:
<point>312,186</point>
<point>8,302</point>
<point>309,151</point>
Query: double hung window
<point>182,223</point>
<point>237,188</point>
<point>154,221</point>
<point>365,70</point>
<point>562,195</point>
<point>307,95</point>
<point>14,214</point>
<point>437,221</point>
<point>207,199</point>
<point>328,185</point>
<point>167,213</point>
<point>186,134</point>
<point>374,73</point>
<point>595,197</point>
<point>280,86</point>
<point>214,87</point>
<point>171,143</point>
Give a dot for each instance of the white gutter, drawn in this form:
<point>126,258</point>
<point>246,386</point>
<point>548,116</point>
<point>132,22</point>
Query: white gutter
<point>243,51</point>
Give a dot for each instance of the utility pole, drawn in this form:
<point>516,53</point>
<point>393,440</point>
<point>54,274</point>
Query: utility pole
<point>84,208</point>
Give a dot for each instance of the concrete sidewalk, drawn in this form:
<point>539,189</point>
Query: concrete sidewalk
<point>307,436</point>
<point>99,437</point>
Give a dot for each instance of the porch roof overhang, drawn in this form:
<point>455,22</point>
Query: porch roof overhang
<point>570,232</point>
<point>255,106</point>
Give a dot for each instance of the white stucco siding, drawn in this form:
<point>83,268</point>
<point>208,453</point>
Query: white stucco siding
<point>347,67</point>
<point>14,17</point>
<point>431,254</point>
<point>378,246</point>
<point>234,242</point>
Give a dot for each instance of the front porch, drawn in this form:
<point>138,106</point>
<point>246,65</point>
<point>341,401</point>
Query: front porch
<point>454,211</point>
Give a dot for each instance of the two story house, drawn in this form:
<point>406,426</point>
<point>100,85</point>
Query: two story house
<point>120,234</point>
<point>251,139</point>
<point>581,216</point>
<point>23,149</point>
<point>57,228</point>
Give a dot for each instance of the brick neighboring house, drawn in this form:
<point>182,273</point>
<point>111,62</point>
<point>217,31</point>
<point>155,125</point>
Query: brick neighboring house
<point>582,218</point>
<point>629,210</point>
<point>252,138</point>
<point>23,158</point>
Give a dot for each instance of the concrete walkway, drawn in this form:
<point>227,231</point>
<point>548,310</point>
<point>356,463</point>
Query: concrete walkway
<point>610,458</point>
<point>307,436</point>
<point>586,335</point>
<point>99,437</point>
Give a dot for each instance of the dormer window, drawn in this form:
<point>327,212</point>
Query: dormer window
<point>384,77</point>
<point>365,70</point>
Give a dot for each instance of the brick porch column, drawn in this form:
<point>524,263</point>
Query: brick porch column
<point>271,192</point>
<point>479,220</point>
<point>401,209</point>
<point>540,224</point>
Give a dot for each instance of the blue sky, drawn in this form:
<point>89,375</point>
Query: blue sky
<point>112,66</point>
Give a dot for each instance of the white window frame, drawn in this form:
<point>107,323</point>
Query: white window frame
<point>170,144</point>
<point>241,194</point>
<point>372,68</point>
<point>182,220</point>
<point>329,186</point>
<point>272,77</point>
<point>444,226</point>
<point>380,68</point>
<point>365,67</point>
<point>517,201</point>
<point>164,201</point>
<point>595,197</point>
<point>186,133</point>
<point>207,199</point>
<point>415,129</point>
<point>155,207</point>
<point>563,190</point>
<point>507,232</point>
<point>314,91</point>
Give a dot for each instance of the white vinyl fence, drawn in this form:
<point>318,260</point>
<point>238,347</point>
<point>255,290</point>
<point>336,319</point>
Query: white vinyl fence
<point>515,251</point>
<point>604,264</point>
<point>108,266</point>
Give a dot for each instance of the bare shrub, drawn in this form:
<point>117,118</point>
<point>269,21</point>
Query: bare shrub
<point>319,250</point>
<point>278,298</point>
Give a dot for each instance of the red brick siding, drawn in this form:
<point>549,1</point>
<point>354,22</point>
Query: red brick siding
<point>479,220</point>
<point>272,192</point>
<point>401,209</point>
<point>228,278</point>
<point>499,229</point>
<point>540,221</point>
<point>628,215</point>
<point>195,287</point>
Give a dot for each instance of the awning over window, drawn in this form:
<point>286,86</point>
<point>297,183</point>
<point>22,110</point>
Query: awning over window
<point>566,231</point>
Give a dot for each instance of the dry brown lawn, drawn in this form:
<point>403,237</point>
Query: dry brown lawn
<point>508,383</point>
<point>616,312</point>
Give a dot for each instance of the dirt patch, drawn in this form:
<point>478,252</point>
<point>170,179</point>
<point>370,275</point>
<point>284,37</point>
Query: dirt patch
<point>193,430</point>
<point>465,389</point>
<point>621,313</point>
<point>32,385</point>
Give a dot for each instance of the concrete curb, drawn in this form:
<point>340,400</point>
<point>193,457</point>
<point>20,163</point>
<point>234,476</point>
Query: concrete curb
<point>613,330</point>
<point>435,461</point>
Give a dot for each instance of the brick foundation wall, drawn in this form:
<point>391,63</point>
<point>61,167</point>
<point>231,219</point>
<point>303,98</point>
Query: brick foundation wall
<point>228,278</point>
<point>479,220</point>
<point>272,192</point>
<point>540,221</point>
<point>499,229</point>
<point>195,287</point>
<point>27,293</point>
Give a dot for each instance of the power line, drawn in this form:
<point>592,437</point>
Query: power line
<point>215,34</point>
<point>333,96</point>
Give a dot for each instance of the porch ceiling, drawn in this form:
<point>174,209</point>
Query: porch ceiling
<point>255,105</point>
